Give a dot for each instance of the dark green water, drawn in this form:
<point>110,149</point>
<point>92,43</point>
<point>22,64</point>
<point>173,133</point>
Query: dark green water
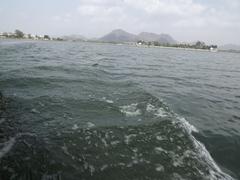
<point>101,111</point>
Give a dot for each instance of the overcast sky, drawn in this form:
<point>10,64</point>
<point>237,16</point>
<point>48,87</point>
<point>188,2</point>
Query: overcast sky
<point>213,21</point>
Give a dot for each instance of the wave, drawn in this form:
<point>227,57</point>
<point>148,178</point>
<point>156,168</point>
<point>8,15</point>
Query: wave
<point>7,146</point>
<point>151,139</point>
<point>203,155</point>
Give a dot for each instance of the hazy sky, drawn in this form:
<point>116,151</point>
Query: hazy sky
<point>213,21</point>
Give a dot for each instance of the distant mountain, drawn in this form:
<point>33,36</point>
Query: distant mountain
<point>74,38</point>
<point>120,35</point>
<point>230,47</point>
<point>161,38</point>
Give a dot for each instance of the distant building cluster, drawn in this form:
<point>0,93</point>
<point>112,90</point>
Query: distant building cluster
<point>17,34</point>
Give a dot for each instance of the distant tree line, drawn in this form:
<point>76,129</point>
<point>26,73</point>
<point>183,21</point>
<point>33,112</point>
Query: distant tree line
<point>197,45</point>
<point>19,34</point>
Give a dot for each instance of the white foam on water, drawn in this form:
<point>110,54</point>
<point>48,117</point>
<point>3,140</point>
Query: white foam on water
<point>92,169</point>
<point>186,125</point>
<point>177,176</point>
<point>177,160</point>
<point>150,108</point>
<point>128,138</point>
<point>90,124</point>
<point>41,104</point>
<point>65,149</point>
<point>7,146</point>
<point>114,143</point>
<point>104,142</point>
<point>105,166</point>
<point>159,149</point>
<point>215,172</point>
<point>2,120</point>
<point>121,164</point>
<point>130,110</point>
<point>159,168</point>
<point>160,138</point>
<point>208,158</point>
<point>35,111</point>
<point>159,112</point>
<point>75,127</point>
<point>107,100</point>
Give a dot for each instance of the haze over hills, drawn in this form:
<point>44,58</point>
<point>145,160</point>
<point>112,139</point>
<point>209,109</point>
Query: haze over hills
<point>120,35</point>
<point>162,38</point>
<point>74,37</point>
<point>230,47</point>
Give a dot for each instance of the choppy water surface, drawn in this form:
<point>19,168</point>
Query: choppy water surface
<point>101,111</point>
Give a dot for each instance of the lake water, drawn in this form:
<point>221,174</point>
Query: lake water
<point>102,111</point>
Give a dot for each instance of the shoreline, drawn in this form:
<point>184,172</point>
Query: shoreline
<point>123,43</point>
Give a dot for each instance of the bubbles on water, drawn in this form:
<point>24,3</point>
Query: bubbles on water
<point>41,104</point>
<point>186,125</point>
<point>159,168</point>
<point>160,150</point>
<point>161,113</point>
<point>2,120</point>
<point>130,110</point>
<point>104,142</point>
<point>160,138</point>
<point>65,149</point>
<point>7,146</point>
<point>157,111</point>
<point>92,169</point>
<point>150,108</point>
<point>75,127</point>
<point>114,143</point>
<point>127,138</point>
<point>107,100</point>
<point>90,125</point>
<point>35,111</point>
<point>176,176</point>
<point>105,166</point>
